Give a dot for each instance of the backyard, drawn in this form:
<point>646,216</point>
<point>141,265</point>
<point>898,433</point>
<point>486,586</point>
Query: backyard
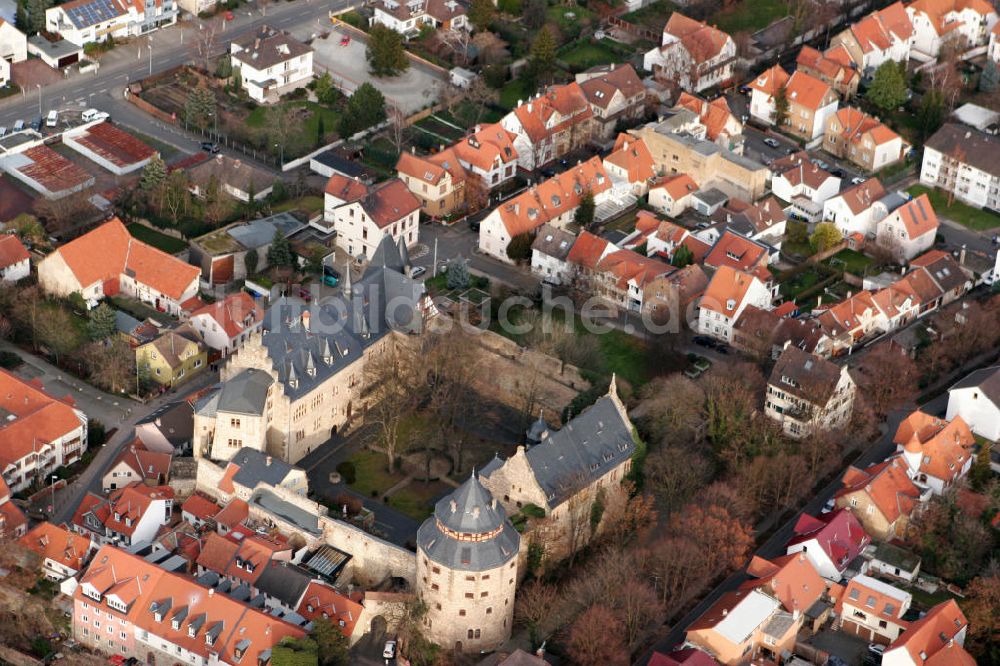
<point>973,218</point>
<point>849,261</point>
<point>160,241</point>
<point>749,15</point>
<point>586,54</point>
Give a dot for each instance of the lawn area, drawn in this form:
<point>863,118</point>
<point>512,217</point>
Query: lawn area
<point>372,476</point>
<point>308,204</point>
<point>569,19</point>
<point>585,55</point>
<point>168,244</point>
<point>303,138</point>
<point>625,356</point>
<point>967,216</point>
<point>167,152</point>
<point>750,15</point>
<point>79,323</point>
<point>850,261</point>
<point>624,223</point>
<point>652,17</point>
<point>512,92</point>
<point>416,498</point>
<point>792,243</point>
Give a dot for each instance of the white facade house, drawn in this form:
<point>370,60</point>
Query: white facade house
<point>993,52</point>
<point>407,17</point>
<point>763,90</point>
<point>692,54</point>
<point>963,161</point>
<point>965,23</point>
<point>976,399</point>
<point>909,230</point>
<point>728,295</point>
<point>271,63</point>
<point>15,262</point>
<point>82,21</point>
<point>228,323</point>
<point>873,610</point>
<point>883,36</point>
<point>853,210</point>
<point>806,187</point>
<point>550,255</point>
<point>13,48</point>
<point>366,216</point>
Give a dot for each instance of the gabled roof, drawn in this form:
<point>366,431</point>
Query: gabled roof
<point>967,145</point>
<point>939,12</point>
<point>58,544</point>
<point>806,376</point>
<point>600,90</point>
<point>85,13</point>
<point>728,287</point>
<point>701,40</point>
<point>792,579</point>
<point>200,507</point>
<point>487,146</point>
<point>834,65</point>
<point>770,81</point>
<point>234,314</point>
<point>33,418</point>
<point>736,615</point>
<point>389,202</point>
<point>987,380</point>
<point>808,91</point>
<point>148,465</point>
<point>250,468</point>
<point>172,344</point>
<point>321,600</point>
<point>683,657</point>
<point>740,253</point>
<point>882,600</point>
<point>799,169</point>
<point>553,111</point>
<point>944,447</point>
<point>860,197</point>
<point>838,533</point>
<point>918,217</point>
<point>930,641</point>
<point>12,251</point>
<point>633,156</point>
<point>855,125</point>
<point>714,115</point>
<point>266,47</point>
<point>233,513</point>
<point>351,189</point>
<point>114,144</point>
<point>678,186</point>
<point>627,266</point>
<point>943,269</point>
<point>887,486</point>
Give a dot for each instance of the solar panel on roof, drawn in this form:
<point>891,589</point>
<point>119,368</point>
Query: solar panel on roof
<point>92,13</point>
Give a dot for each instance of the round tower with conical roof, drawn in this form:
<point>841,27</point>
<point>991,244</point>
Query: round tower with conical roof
<point>467,570</point>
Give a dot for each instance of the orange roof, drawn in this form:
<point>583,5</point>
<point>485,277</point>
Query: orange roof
<point>234,314</point>
<point>321,600</point>
<point>878,30</point>
<point>738,252</point>
<point>678,186</point>
<point>131,503</point>
<point>58,544</point>
<point>918,217</point>
<point>846,316</point>
<point>217,552</point>
<point>860,197</point>
<point>888,486</point>
<point>627,266</point>
<point>39,418</point>
<point>808,91</point>
<point>699,248</point>
<point>487,147</point>
<point>865,593</point>
<point>728,287</point>
<point>929,641</point>
<point>556,109</point>
<point>798,168</point>
<point>600,90</point>
<point>233,513</point>
<point>937,11</point>
<point>346,189</point>
<point>415,166</point>
<point>714,115</point>
<point>200,507</point>
<point>834,65</point>
<point>701,40</point>
<point>109,251</point>
<point>945,447</point>
<point>632,155</point>
<point>149,465</point>
<point>12,251</point>
<point>587,250</point>
<point>11,519</point>
<point>770,81</point>
<point>855,124</point>
<point>792,579</point>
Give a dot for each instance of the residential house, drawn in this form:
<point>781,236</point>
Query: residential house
<point>38,433</point>
<point>762,222</point>
<point>129,516</point>
<point>806,393</point>
<point>894,562</point>
<point>811,103</point>
<point>882,497</point>
<point>83,21</point>
<point>489,154</point>
<point>15,262</point>
<point>13,48</point>
<point>228,323</point>
<point>673,298</point>
<point>692,55</point>
<point>960,24</point>
<point>63,553</point>
<point>688,656</point>
<point>885,35</point>
<point>407,18</point>
<point>621,276</point>
<point>834,67</point>
<point>854,135</point>
<point>662,237</point>
<point>831,541</point>
<point>550,125</point>
<point>630,165</point>
<point>550,255</point>
<point>993,50</point>
<point>199,511</point>
<point>739,252</point>
<point>173,357</point>
<point>936,638</point>
<point>240,558</point>
<point>909,230</point>
<point>728,294</point>
<point>271,63</point>
<point>553,202</point>
<point>240,180</point>
<point>855,318</point>
<point>387,210</point>
<point>764,90</point>
<point>791,579</point>
<point>566,469</point>
<point>976,400</point>
<point>152,612</point>
<point>196,7</point>
<point>962,161</point>
<point>13,522</point>
<point>853,209</point>
<point>720,124</point>
<point>937,452</point>
<point>437,180</point>
<point>316,368</point>
<point>873,610</point>
<point>137,464</point>
<point>804,185</point>
<point>221,254</point>
<point>320,600</point>
<point>744,625</point>
<point>616,95</point>
<point>671,195</point>
<point>168,429</point>
<point>705,162</point>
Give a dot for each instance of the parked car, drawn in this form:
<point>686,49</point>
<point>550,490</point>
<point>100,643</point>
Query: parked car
<point>857,180</point>
<point>389,651</point>
<point>345,40</point>
<point>722,349</point>
<point>18,126</point>
<point>305,294</point>
<point>548,172</point>
<point>229,16</point>
<point>36,124</point>
<point>474,225</point>
<point>52,119</point>
<point>210,147</point>
<point>704,341</point>
<point>417,271</point>
<point>745,90</point>
<point>771,142</point>
<point>93,114</point>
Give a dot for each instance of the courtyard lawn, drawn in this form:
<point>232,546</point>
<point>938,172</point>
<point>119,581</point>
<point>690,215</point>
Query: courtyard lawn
<point>585,55</point>
<point>371,474</point>
<point>973,218</point>
<point>625,356</point>
<point>78,323</point>
<point>416,498</point>
<point>652,17</point>
<point>303,136</point>
<point>750,15</point>
<point>569,19</point>
<point>850,261</point>
<point>308,204</point>
<point>512,92</point>
<point>160,241</point>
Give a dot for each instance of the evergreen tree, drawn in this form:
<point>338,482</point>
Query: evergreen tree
<point>237,80</point>
<point>36,14</point>
<point>989,80</point>
<point>481,14</point>
<point>683,256</point>
<point>366,107</point>
<point>320,131</point>
<point>250,261</point>
<point>584,214</point>
<point>280,253</point>
<point>519,248</point>
<point>931,113</point>
<point>385,52</point>
<point>781,106</point>
<point>888,88</point>
<point>153,175</point>
<point>543,53</point>
<point>330,642</point>
<point>326,91</point>
<point>458,273</point>
<point>224,69</point>
<point>101,323</point>
<point>199,107</point>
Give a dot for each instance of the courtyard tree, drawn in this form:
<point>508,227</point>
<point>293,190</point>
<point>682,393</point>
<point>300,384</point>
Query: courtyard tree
<point>391,398</point>
<point>481,14</point>
<point>199,109</point>
<point>56,332</point>
<point>65,213</point>
<point>542,57</point>
<point>365,108</point>
<point>449,362</point>
<point>153,175</point>
<point>101,323</point>
<point>326,91</point>
<point>595,639</point>
<point>683,256</point>
<point>110,364</point>
<point>490,48</point>
<point>824,237</point>
<point>888,87</point>
<point>251,260</point>
<point>279,254</point>
<point>989,80</point>
<point>331,644</point>
<point>533,605</point>
<point>385,53</point>
<point>175,196</point>
<point>931,113</point>
<point>519,248</point>
<point>458,273</point>
<point>583,216</point>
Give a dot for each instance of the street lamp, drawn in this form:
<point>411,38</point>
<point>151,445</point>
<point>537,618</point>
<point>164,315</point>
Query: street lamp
<point>282,148</point>
<point>150,59</point>
<point>52,485</point>
<point>39,86</point>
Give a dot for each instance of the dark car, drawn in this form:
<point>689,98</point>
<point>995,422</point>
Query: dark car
<point>564,163</point>
<point>210,147</point>
<point>703,341</point>
<point>474,225</point>
<point>722,349</point>
<point>839,173</point>
<point>548,172</point>
<point>36,124</point>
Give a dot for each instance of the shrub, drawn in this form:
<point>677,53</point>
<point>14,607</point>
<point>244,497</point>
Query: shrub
<point>10,360</point>
<point>519,248</point>
<point>348,472</point>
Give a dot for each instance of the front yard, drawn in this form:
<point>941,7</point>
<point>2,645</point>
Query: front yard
<point>973,218</point>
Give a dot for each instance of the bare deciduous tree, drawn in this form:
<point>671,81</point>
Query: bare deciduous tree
<point>390,394</point>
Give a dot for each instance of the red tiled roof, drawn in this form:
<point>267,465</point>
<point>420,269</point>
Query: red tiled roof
<point>944,447</point>
<point>632,155</point>
<point>53,171</point>
<point>918,217</point>
<point>600,90</point>
<point>738,252</point>
<point>701,40</point>
<point>930,641</point>
<point>838,533</point>
<point>200,507</point>
<point>808,91</point>
<point>587,250</point>
<point>233,513</point>
<point>149,465</point>
<point>321,600</point>
<point>39,418</point>
<point>792,579</point>
<point>58,544</point>
<point>886,484</point>
<point>12,251</point>
<point>344,188</point>
<point>770,81</point>
<point>234,314</point>
<point>389,202</point>
<point>678,186</point>
<point>12,519</point>
<point>714,115</point>
<point>729,286</point>
<point>115,145</point>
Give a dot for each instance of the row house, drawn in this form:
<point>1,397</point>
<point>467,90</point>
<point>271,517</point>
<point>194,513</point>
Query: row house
<point>550,125</point>
<point>553,201</point>
<point>962,161</point>
<point>745,625</point>
<point>271,63</point>
<point>128,516</point>
<point>673,297</point>
<point>692,55</point>
<point>883,36</point>
<point>199,511</point>
<point>807,393</point>
<point>833,66</point>
<point>630,166</point>
<point>83,21</point>
<point>831,541</point>
<point>63,552</point>
<point>363,216</point>
<point>873,610</point>
<point>937,452</point>
<point>241,557</point>
<point>936,638</point>
<point>616,275</point>
<point>728,294</point>
<point>853,135</point>
<point>407,18</point>
<point>616,96</point>
<point>909,230</point>
<point>15,262</point>
<point>108,261</point>
<point>960,24</point>
<point>129,607</point>
<point>716,120</point>
<point>798,180</point>
<point>882,497</point>
<point>38,432</point>
<point>137,464</point>
<point>671,195</point>
<point>811,101</point>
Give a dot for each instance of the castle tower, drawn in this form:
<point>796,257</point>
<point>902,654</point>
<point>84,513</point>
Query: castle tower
<point>467,570</point>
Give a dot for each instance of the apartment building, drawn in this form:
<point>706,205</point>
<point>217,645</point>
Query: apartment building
<point>549,125</point>
<point>833,66</point>
<point>963,161</point>
<point>882,36</point>
<point>362,216</point>
<point>806,393</point>
<point>83,21</point>
<point>271,63</point>
<point>961,24</point>
<point>616,97</point>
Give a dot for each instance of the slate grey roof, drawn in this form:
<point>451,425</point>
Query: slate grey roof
<point>276,506</point>
<point>254,468</point>
<point>582,451</point>
<point>343,326</point>
<point>258,233</point>
<point>806,376</point>
<point>553,242</point>
<point>986,379</point>
<point>175,421</point>
<point>711,196</point>
<point>896,556</point>
<point>967,145</point>
<point>246,393</point>
<point>284,582</point>
<point>470,509</point>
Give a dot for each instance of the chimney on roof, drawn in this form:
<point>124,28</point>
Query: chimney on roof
<point>413,150</point>
<point>211,591</point>
<point>530,105</point>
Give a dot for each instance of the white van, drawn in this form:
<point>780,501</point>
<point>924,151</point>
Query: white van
<point>52,119</point>
<point>18,126</point>
<point>93,114</point>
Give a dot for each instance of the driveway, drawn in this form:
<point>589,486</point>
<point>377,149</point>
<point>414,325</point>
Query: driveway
<point>411,91</point>
<point>460,240</point>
